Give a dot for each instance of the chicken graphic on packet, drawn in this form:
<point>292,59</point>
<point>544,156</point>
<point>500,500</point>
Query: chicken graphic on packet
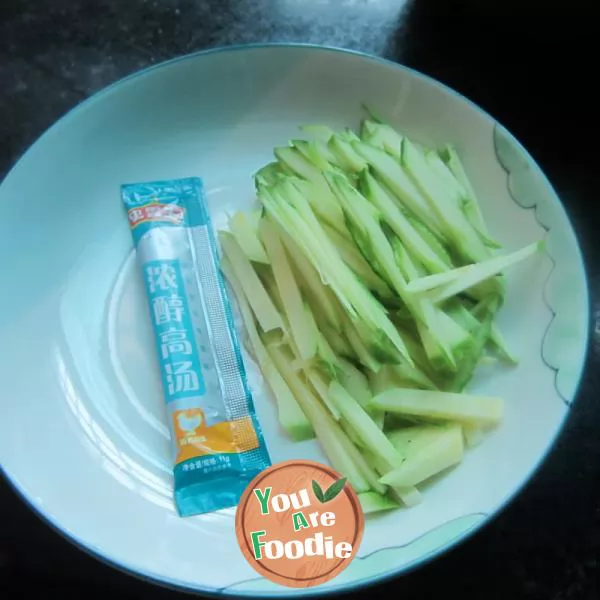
<point>189,420</point>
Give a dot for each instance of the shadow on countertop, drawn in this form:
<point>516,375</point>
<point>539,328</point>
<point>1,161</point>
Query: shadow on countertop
<point>528,63</point>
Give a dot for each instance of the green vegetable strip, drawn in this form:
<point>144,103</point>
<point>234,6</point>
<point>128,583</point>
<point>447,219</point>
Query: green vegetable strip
<point>477,273</point>
<point>353,294</point>
<point>321,133</point>
<point>480,338</point>
<point>483,410</point>
<point>371,436</point>
<point>271,173</point>
<point>288,217</point>
<point>395,218</point>
<point>311,282</point>
<point>371,502</point>
<point>352,256</point>
<point>363,466</point>
<point>382,136</point>
<point>289,292</point>
<point>323,202</point>
<point>472,208</point>
<point>291,417</point>
<point>390,172</point>
<point>259,300</point>
<point>315,152</point>
<point>320,386</point>
<point>328,432</point>
<point>345,154</point>
<point>455,225</point>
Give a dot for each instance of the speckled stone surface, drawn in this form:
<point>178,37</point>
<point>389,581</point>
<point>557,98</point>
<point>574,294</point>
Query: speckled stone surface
<point>529,64</point>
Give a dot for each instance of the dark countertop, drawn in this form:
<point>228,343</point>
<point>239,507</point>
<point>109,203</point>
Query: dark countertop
<point>527,63</point>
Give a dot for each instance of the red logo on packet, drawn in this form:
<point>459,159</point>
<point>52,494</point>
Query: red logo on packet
<point>155,211</point>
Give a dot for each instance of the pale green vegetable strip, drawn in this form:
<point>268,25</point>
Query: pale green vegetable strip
<point>365,469</point>
<point>473,210</point>
<point>468,320</point>
<point>310,239</point>
<point>382,136</point>
<point>315,152</point>
<point>497,339</point>
<point>353,295</point>
<point>365,224</point>
<point>247,238</point>
<point>439,331</point>
<point>352,256</point>
<point>391,173</point>
<point>469,275</point>
<point>348,135</point>
<point>439,358</point>
<point>414,375</point>
<point>320,198</point>
<point>355,382</point>
<point>366,227</point>
<point>262,306</point>
<point>482,271</point>
<point>346,156</point>
<point>328,432</point>
<point>409,496</point>
<point>352,435</point>
<point>372,502</point>
<point>270,286</point>
<point>301,328</point>
<point>308,232</point>
<point>480,337</point>
<point>395,218</point>
<point>444,173</point>
<point>445,449</point>
<point>270,173</point>
<point>430,282</point>
<point>371,436</point>
<point>318,132</point>
<point>327,357</point>
<point>357,385</point>
<point>359,348</point>
<point>337,341</point>
<point>311,282</point>
<point>455,225</point>
<point>466,198</point>
<point>322,389</point>
<point>458,337</point>
<point>482,410</point>
<point>387,377</point>
<point>474,435</point>
<point>432,241</point>
<point>418,353</point>
<point>313,193</point>
<point>291,417</point>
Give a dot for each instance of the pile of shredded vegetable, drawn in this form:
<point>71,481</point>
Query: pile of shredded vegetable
<point>368,283</point>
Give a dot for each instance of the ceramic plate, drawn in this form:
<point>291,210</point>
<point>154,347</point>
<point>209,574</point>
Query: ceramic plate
<point>82,429</point>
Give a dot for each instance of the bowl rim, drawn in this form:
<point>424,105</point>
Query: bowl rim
<point>424,559</point>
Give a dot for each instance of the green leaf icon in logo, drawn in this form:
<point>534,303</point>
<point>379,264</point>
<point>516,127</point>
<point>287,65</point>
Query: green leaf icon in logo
<point>331,492</point>
<point>318,491</point>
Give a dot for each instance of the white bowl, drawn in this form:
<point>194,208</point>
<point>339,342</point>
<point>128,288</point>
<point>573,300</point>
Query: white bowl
<point>82,429</point>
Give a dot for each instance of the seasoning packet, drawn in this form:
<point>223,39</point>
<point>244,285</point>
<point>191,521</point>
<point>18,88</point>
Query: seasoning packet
<point>217,442</point>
